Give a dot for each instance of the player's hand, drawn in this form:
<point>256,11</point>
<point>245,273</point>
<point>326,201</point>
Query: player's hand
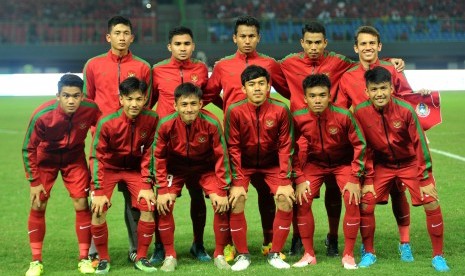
<point>35,195</point>
<point>220,203</point>
<point>354,192</point>
<point>235,193</point>
<point>398,63</point>
<point>302,190</point>
<point>368,189</point>
<point>424,92</point>
<point>164,203</point>
<point>98,204</point>
<point>287,192</point>
<point>149,197</point>
<point>429,190</point>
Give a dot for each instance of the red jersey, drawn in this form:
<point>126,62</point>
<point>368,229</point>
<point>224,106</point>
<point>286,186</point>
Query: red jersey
<point>395,136</point>
<point>334,138</point>
<point>121,143</point>
<point>227,76</point>
<point>352,85</point>
<point>169,74</point>
<point>104,73</point>
<point>200,144</point>
<point>54,135</point>
<point>260,137</point>
<point>296,67</point>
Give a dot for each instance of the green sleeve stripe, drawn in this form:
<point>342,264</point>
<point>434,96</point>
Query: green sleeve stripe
<point>163,62</point>
<point>300,112</point>
<point>228,116</point>
<point>153,163</point>
<point>362,105</point>
<point>29,131</point>
<point>89,104</point>
<point>150,113</point>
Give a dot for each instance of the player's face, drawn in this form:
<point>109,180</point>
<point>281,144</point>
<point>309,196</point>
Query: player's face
<point>246,38</point>
<point>120,38</point>
<point>314,44</point>
<point>317,98</point>
<point>70,98</point>
<point>256,90</point>
<point>367,48</point>
<point>379,93</point>
<point>181,47</point>
<point>133,103</point>
<point>188,108</point>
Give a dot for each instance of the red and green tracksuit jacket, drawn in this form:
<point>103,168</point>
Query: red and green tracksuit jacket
<point>54,135</point>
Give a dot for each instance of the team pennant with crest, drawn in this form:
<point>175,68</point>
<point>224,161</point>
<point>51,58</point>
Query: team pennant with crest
<point>428,108</point>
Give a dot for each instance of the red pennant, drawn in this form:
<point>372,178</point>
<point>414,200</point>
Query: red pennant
<point>428,108</point>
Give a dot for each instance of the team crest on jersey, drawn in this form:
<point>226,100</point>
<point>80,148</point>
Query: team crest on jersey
<point>82,125</point>
<point>131,74</point>
<point>143,134</point>
<point>269,123</point>
<point>397,124</point>
<point>333,130</point>
<point>327,74</point>
<point>202,139</point>
<point>194,78</point>
<point>422,110</point>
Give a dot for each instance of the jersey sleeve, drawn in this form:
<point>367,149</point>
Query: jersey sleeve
<point>155,89</point>
<point>213,87</point>
<point>342,98</point>
<point>278,80</point>
<point>160,162</point>
<point>147,77</point>
<point>286,146</point>
<point>358,141</point>
<point>232,134</point>
<point>147,160</point>
<point>222,166</point>
<point>97,154</point>
<point>32,139</point>
<point>89,81</point>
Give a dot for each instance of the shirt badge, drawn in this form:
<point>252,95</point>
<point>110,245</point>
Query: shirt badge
<point>202,139</point>
<point>397,124</point>
<point>194,78</point>
<point>269,123</point>
<point>82,125</point>
<point>143,134</point>
<point>131,74</point>
<point>333,130</point>
<point>422,110</point>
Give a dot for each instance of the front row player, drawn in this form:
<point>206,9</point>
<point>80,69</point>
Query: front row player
<point>260,136</point>
<point>336,148</point>
<point>189,144</point>
<point>121,143</point>
<point>54,143</point>
<point>400,152</point>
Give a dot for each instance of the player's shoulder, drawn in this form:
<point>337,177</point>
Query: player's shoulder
<point>198,62</point>
<point>340,110</point>
<point>108,118</point>
<point>266,57</point>
<point>352,70</point>
<point>225,59</point>
<point>45,108</point>
<point>300,112</point>
<point>88,103</point>
<point>97,58</point>
<point>403,104</point>
<point>161,63</point>
<point>209,118</point>
<point>279,104</point>
<point>168,119</point>
<point>141,60</point>
<point>149,113</point>
<point>362,106</point>
<point>293,56</point>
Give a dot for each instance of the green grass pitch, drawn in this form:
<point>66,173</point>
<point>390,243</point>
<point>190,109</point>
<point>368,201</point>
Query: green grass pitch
<point>60,248</point>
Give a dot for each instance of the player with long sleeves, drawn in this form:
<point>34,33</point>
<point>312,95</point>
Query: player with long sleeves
<point>189,144</point>
<point>337,148</point>
<point>400,152</point>
<point>167,75</point>
<point>54,142</point>
<point>120,146</point>
<point>260,136</point>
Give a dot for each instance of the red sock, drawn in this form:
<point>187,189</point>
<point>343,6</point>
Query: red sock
<point>306,224</point>
<point>198,214</point>
<point>36,231</point>
<point>222,230</point>
<point>367,226</point>
<point>401,210</point>
<point>281,227</point>
<point>100,236</point>
<point>84,236</point>
<point>145,231</point>
<point>435,225</point>
<point>239,232</point>
<point>166,227</point>
<point>351,225</point>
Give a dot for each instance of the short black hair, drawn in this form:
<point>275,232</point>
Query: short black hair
<point>248,21</point>
<point>314,27</point>
<point>70,80</point>
<point>316,80</point>
<point>377,75</point>
<point>132,84</point>
<point>367,30</point>
<point>253,72</point>
<point>186,89</point>
<point>115,20</point>
<point>180,30</point>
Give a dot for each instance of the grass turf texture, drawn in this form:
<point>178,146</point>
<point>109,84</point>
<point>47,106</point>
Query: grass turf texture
<point>60,247</point>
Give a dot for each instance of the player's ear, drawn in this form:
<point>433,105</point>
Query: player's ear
<point>108,37</point>
<point>121,100</point>
<point>244,90</point>
<point>380,45</point>
<point>201,103</point>
<point>169,47</point>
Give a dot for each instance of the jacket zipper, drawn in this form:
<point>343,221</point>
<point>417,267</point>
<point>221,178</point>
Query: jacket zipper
<point>181,73</point>
<point>188,130</point>
<point>257,112</point>
<point>387,138</point>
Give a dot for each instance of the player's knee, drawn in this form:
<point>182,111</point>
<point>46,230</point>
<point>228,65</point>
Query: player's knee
<point>304,208</point>
<point>367,209</point>
<point>431,205</point>
<point>80,204</point>
<point>240,204</point>
<point>282,204</point>
<point>98,219</point>
<point>147,216</point>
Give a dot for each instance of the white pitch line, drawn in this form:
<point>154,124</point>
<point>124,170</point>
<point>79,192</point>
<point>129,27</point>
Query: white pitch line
<point>8,131</point>
<point>445,153</point>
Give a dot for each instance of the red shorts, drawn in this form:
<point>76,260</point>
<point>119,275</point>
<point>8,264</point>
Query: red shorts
<point>386,177</point>
<point>317,175</point>
<point>207,181</point>
<point>132,180</point>
<point>270,175</point>
<point>75,175</point>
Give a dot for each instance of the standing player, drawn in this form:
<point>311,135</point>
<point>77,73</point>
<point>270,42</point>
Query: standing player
<point>336,148</point>
<point>314,59</point>
<point>102,77</point>
<point>400,151</point>
<point>226,76</point>
<point>167,75</point>
<point>189,144</point>
<point>260,137</point>
<point>54,143</point>
<point>121,143</point>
